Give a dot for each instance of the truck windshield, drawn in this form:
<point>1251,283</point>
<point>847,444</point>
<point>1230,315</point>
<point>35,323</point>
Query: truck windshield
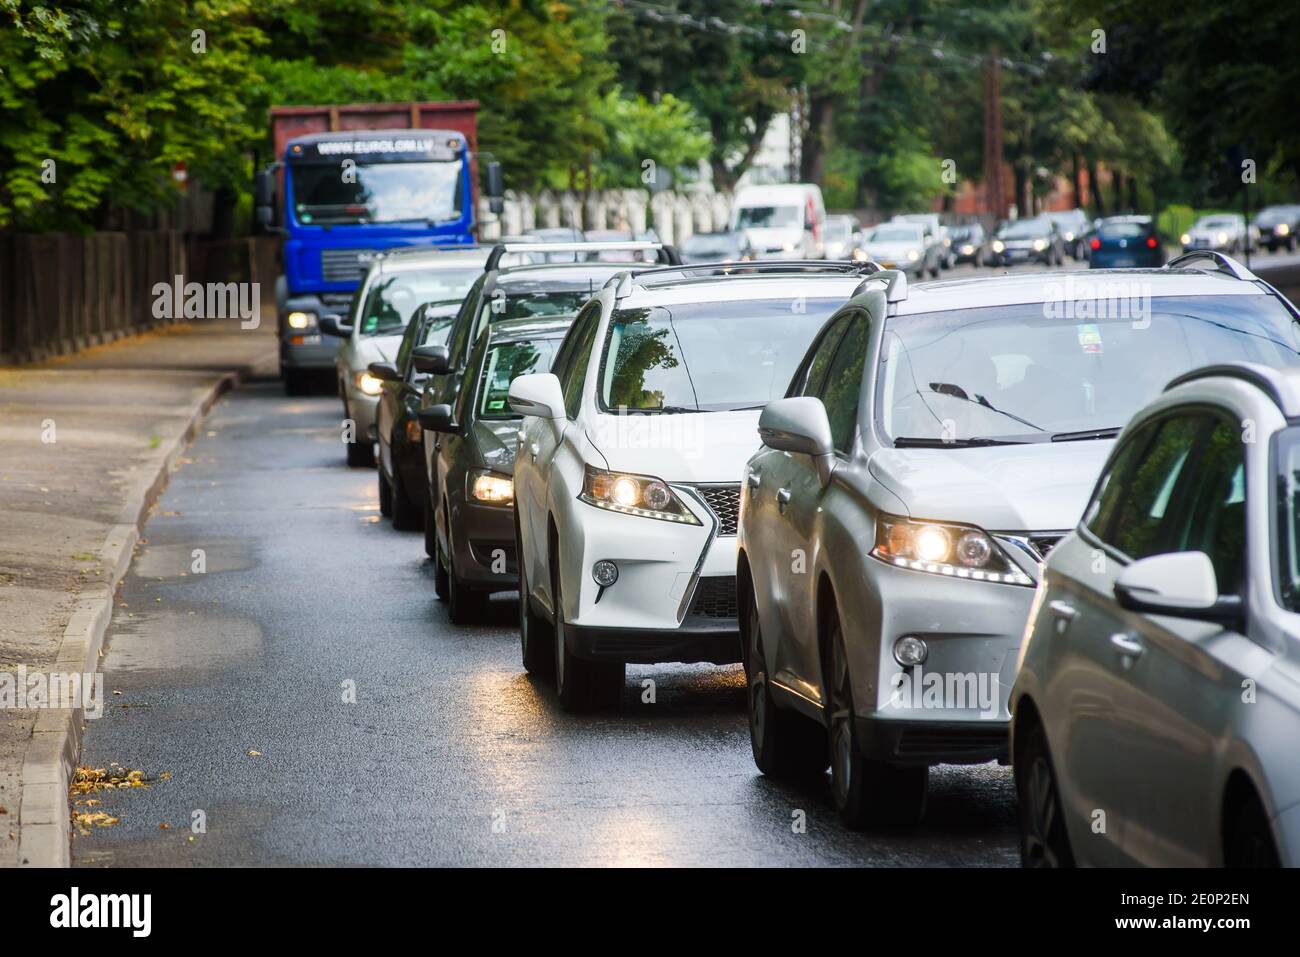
<point>706,357</point>
<point>392,299</point>
<point>330,194</point>
<point>752,217</point>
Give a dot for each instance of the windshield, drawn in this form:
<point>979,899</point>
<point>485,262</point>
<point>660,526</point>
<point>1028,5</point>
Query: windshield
<point>895,234</point>
<point>1277,214</point>
<point>707,357</point>
<point>1026,229</point>
<point>750,217</point>
<point>839,230</point>
<point>1220,222</point>
<point>427,191</point>
<point>1027,372</point>
<point>533,303</point>
<point>392,299</point>
<point>505,362</point>
<point>720,246</point>
<point>1122,231</point>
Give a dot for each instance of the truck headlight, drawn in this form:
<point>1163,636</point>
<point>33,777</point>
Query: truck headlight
<point>301,320</point>
<point>369,384</point>
<point>491,488</point>
<point>642,495</point>
<point>957,551</point>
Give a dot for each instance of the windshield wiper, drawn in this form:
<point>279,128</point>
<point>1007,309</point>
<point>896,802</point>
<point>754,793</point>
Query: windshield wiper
<point>931,442</point>
<point>1108,432</point>
<point>957,392</point>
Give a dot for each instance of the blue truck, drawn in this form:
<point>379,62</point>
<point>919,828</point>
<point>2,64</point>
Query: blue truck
<point>348,183</point>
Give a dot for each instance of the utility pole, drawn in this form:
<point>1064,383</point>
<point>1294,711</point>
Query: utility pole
<point>993,135</point>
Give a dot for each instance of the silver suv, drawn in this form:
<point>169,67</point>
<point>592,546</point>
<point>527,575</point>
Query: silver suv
<point>932,449</point>
<point>1157,707</point>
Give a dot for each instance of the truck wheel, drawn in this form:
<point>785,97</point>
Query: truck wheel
<point>785,744</point>
<point>865,791</point>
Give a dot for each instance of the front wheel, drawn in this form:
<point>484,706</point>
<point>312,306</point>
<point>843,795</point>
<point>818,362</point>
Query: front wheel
<point>1043,840</point>
<point>465,606</point>
<point>865,791</point>
<point>581,685</point>
<point>785,744</point>
<point>385,493</point>
<point>406,517</point>
<point>535,637</point>
<point>1248,839</point>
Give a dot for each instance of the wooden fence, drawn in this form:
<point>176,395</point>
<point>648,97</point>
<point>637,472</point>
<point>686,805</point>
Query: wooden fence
<point>60,293</point>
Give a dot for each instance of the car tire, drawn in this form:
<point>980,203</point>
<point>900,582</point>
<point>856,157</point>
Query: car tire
<point>785,744</point>
<point>1248,838</point>
<point>465,605</point>
<point>431,537</point>
<point>536,641</point>
<point>581,685</point>
<point>360,454</point>
<point>406,517</point>
<point>385,493</point>
<point>865,792</point>
<point>1043,838</point>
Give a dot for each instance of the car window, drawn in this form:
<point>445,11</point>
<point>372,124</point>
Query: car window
<point>463,324</point>
<point>808,380</point>
<point>844,383</point>
<point>584,338</point>
<point>505,362</point>
<point>413,330</point>
<point>1286,505</point>
<point>1100,513</point>
<point>1144,515</point>
<point>392,299</point>
<point>1213,517</point>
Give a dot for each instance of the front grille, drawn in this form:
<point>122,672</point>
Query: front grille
<point>715,597</point>
<point>724,502</point>
<point>1043,544</point>
<point>345,265</point>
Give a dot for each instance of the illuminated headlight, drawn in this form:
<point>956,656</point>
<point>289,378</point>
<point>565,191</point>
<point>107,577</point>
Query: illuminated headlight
<point>789,247</point>
<point>1223,238</point>
<point>1282,229</point>
<point>1185,239</point>
<point>999,246</point>
<point>967,250</point>
<point>860,256</point>
<point>913,255</point>
<point>1040,245</point>
<point>956,551</point>
<point>369,384</point>
<point>489,487</point>
<point>641,495</point>
<point>1069,237</point>
<point>301,320</point>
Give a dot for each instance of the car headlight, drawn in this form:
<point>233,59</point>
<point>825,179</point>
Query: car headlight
<point>301,320</point>
<point>642,495</point>
<point>491,488</point>
<point>1223,238</point>
<point>1185,239</point>
<point>999,245</point>
<point>967,250</point>
<point>1040,245</point>
<point>860,256</point>
<point>957,551</point>
<point>788,247</point>
<point>1282,229</point>
<point>369,384</point>
<point>913,255</point>
<point>1069,237</point>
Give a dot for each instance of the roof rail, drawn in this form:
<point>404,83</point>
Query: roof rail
<point>427,248</point>
<point>665,253</point>
<point>1272,382</point>
<point>624,282</point>
<point>1222,263</point>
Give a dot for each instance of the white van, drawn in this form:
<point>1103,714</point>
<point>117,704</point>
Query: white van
<point>782,222</point>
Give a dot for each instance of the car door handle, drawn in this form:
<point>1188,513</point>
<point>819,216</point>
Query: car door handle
<point>1063,609</point>
<point>782,498</point>
<point>753,479</point>
<point>1127,644</point>
<point>533,449</point>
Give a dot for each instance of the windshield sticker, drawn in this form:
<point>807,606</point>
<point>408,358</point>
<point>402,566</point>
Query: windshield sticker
<point>1089,337</point>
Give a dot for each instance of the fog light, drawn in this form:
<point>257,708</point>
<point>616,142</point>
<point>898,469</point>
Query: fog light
<point>605,573</point>
<point>910,651</point>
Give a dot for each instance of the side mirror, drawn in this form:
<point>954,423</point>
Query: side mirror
<point>437,418</point>
<point>333,325</point>
<point>538,394</point>
<point>496,188</point>
<point>384,371</point>
<point>799,425</point>
<point>264,188</point>
<point>1178,584</point>
<point>264,216</point>
<point>435,360</point>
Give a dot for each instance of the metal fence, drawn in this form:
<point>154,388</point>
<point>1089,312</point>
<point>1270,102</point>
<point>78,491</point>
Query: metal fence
<point>60,293</point>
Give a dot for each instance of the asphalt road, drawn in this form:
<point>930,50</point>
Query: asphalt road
<point>450,754</point>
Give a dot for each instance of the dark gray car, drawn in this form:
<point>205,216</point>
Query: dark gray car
<point>472,462</point>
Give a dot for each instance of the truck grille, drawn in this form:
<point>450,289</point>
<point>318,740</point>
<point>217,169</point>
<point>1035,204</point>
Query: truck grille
<point>715,597</point>
<point>345,265</point>
<point>724,502</point>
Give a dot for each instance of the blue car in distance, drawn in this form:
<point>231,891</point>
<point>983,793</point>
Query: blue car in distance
<point>1126,242</point>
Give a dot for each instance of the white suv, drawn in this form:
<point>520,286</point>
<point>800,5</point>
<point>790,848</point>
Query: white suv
<point>627,477</point>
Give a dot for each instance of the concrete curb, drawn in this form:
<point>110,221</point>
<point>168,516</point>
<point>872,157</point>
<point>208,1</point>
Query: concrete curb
<point>44,828</point>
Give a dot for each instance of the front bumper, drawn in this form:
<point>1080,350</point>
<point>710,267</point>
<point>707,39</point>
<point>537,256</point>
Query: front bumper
<point>483,538</point>
<point>362,408</point>
<point>308,348</point>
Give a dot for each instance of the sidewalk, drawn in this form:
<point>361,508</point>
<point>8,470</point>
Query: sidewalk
<point>86,443</point>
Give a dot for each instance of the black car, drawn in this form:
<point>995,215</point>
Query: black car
<point>1028,241</point>
<point>402,490</point>
<point>969,244</point>
<point>1278,226</point>
<point>717,248</point>
<point>473,458</point>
